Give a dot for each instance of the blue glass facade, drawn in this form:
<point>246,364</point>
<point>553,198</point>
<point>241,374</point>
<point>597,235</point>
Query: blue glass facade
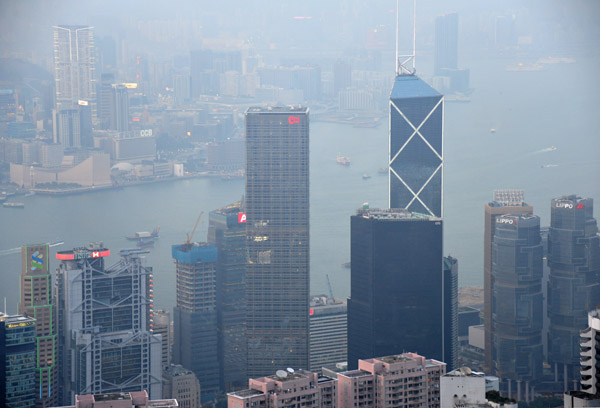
<point>450,313</point>
<point>396,301</point>
<point>416,148</point>
<point>517,301</point>
<point>195,314</point>
<point>228,234</point>
<point>17,362</point>
<point>574,283</point>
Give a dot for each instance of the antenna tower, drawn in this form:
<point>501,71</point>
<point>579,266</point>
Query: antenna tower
<point>405,64</point>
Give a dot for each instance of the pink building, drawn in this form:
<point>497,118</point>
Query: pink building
<point>402,381</point>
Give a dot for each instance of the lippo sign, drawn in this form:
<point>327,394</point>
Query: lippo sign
<point>507,221</point>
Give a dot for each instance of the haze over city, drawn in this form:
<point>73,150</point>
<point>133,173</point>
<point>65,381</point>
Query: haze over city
<point>284,133</point>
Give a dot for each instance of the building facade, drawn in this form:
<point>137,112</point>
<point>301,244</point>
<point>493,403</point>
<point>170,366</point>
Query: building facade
<point>446,43</point>
<point>277,233</point>
<point>505,202</point>
<point>396,295</point>
<point>517,301</point>
<point>450,321</point>
<point>105,343</point>
<point>195,314</point>
<point>36,302</point>
<point>74,66</point>
<point>416,148</point>
<point>17,362</point>
<point>181,384</point>
<point>574,283</point>
<point>227,232</point>
<point>160,323</point>
<point>328,332</point>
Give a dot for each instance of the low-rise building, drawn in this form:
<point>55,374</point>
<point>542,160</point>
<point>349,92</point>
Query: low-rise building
<point>137,399</point>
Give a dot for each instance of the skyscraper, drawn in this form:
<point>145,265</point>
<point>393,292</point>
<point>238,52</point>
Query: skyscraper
<point>505,202</point>
<point>574,284</point>
<point>17,362</point>
<point>446,43</point>
<point>415,154</point>
<point>36,302</point>
<point>119,108</point>
<point>67,127</point>
<point>74,66</point>
<point>517,300</point>
<point>277,233</point>
<point>396,296</point>
<point>105,344</point>
<point>328,332</point>
<point>450,312</point>
<point>227,231</point>
<point>195,314</point>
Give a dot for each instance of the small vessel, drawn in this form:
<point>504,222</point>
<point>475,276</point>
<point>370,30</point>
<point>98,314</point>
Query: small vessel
<point>14,205</point>
<point>145,243</point>
<point>346,265</point>
<point>552,148</point>
<point>544,166</point>
<point>366,176</point>
<point>492,131</point>
<point>382,170</point>
<point>144,235</point>
<point>343,160</point>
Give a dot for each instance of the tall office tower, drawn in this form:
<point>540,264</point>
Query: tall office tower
<point>17,362</point>
<point>505,202</point>
<point>227,232</point>
<point>67,128</point>
<point>277,233</point>
<point>181,384</point>
<point>450,312</point>
<point>415,155</point>
<point>74,66</point>
<point>85,124</point>
<point>328,332</point>
<point>342,76</point>
<point>105,344</point>
<point>36,302</point>
<point>195,314</point>
<point>446,43</point>
<point>396,295</point>
<point>182,87</point>
<point>119,108</point>
<point>589,396</point>
<point>517,300</point>
<point>160,323</point>
<point>573,287</point>
<point>105,99</point>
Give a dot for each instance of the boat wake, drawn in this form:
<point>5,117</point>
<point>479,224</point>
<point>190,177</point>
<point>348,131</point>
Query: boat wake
<point>546,150</point>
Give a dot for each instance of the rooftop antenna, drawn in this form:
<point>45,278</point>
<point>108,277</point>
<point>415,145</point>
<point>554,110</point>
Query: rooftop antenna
<point>405,64</point>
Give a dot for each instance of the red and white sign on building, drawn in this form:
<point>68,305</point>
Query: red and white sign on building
<point>241,217</point>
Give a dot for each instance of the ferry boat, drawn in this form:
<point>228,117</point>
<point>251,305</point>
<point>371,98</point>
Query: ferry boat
<point>144,235</point>
<point>366,176</point>
<point>145,243</point>
<point>382,170</point>
<point>13,205</point>
<point>343,160</point>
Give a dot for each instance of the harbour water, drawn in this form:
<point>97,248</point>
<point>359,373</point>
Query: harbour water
<point>530,111</point>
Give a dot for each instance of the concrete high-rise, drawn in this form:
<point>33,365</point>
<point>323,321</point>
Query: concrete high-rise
<point>517,301</point>
<point>446,43</point>
<point>160,323</point>
<point>505,202</point>
<point>227,232</point>
<point>328,332</point>
<point>415,148</point>
<point>105,344</point>
<point>36,302</point>
<point>450,312</point>
<point>119,108</point>
<point>574,283</point>
<point>396,302</point>
<point>195,314</point>
<point>17,362</point>
<point>74,66</point>
<point>181,384</point>
<point>67,127</point>
<point>278,239</point>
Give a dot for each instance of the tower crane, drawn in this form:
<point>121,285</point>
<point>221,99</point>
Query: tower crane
<point>188,241</point>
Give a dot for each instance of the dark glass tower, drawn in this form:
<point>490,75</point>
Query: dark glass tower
<point>517,300</point>
<point>415,152</point>
<point>195,314</point>
<point>227,231</point>
<point>277,231</point>
<point>573,287</point>
<point>17,362</point>
<point>450,313</point>
<point>446,43</point>
<point>397,292</point>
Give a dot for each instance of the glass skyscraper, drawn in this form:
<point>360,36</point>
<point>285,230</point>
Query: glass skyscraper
<point>574,284</point>
<point>446,43</point>
<point>17,362</point>
<point>450,312</point>
<point>195,314</point>
<point>277,232</point>
<point>517,301</point>
<point>227,232</point>
<point>396,302</point>
<point>415,151</point>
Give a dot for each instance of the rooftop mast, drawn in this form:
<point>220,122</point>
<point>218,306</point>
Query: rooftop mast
<point>404,62</point>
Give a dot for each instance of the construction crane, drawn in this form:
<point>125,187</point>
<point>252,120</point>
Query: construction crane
<point>329,286</point>
<point>190,236</point>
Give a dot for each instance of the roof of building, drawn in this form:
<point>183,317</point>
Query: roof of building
<point>464,372</point>
<point>411,86</point>
<point>246,393</point>
<point>393,214</point>
<point>277,109</point>
<point>355,374</point>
